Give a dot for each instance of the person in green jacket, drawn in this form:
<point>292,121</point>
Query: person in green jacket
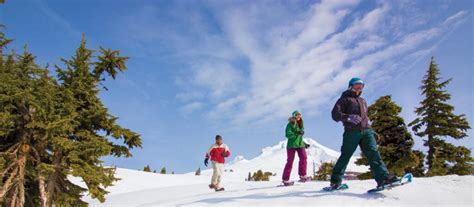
<point>294,133</point>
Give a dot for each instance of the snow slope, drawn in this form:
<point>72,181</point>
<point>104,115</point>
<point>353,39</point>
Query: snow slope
<point>137,188</point>
<point>149,189</point>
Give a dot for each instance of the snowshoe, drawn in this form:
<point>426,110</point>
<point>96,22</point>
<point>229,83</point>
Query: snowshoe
<point>304,179</point>
<point>336,187</point>
<point>392,182</point>
<point>286,184</point>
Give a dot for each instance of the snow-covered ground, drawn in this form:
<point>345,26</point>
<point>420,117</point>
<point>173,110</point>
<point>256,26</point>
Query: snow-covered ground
<point>148,189</point>
<point>138,188</point>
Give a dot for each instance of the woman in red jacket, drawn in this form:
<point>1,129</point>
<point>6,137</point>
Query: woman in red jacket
<point>217,153</point>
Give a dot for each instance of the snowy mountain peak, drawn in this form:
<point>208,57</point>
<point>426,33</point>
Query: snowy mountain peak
<point>239,158</point>
<point>320,151</point>
<point>272,149</point>
<point>273,159</point>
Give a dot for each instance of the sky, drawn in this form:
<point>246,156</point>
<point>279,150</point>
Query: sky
<point>240,68</point>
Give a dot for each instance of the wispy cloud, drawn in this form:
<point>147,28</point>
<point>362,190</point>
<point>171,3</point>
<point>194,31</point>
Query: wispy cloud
<point>58,19</point>
<point>255,62</point>
<point>191,107</point>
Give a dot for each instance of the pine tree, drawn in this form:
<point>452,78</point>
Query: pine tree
<point>437,121</point>
<point>324,171</point>
<point>147,168</point>
<point>259,175</point>
<point>53,127</point>
<point>29,114</point>
<point>198,172</point>
<point>85,144</point>
<point>418,170</point>
<point>266,176</point>
<point>395,142</point>
<point>163,170</point>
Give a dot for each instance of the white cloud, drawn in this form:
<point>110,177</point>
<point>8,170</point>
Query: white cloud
<point>191,107</point>
<point>189,96</point>
<point>268,59</point>
<point>218,78</point>
<point>306,70</point>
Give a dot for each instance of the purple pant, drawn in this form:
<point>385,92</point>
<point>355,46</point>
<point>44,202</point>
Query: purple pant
<point>290,154</point>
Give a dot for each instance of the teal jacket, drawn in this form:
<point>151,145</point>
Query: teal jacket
<point>295,139</point>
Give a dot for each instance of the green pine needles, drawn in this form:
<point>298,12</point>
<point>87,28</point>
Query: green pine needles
<point>52,127</point>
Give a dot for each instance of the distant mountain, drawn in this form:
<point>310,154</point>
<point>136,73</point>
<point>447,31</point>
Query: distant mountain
<point>273,159</point>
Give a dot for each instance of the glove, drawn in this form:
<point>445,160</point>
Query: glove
<point>224,154</point>
<point>206,161</point>
<point>301,133</point>
<point>306,145</point>
<point>354,119</point>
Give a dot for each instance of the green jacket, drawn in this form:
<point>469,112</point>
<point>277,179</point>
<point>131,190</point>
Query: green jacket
<point>295,139</point>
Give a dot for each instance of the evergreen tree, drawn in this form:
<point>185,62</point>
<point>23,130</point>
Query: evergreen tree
<point>86,143</point>
<point>163,170</point>
<point>51,128</point>
<point>324,171</point>
<point>418,170</point>
<point>266,176</point>
<point>198,172</point>
<point>260,176</point>
<point>29,114</point>
<point>395,142</point>
<point>147,168</point>
<point>437,121</point>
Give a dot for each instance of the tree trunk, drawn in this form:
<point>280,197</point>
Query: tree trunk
<point>7,169</point>
<point>42,189</point>
<point>53,178</point>
<point>431,151</point>
<point>25,149</point>
<point>14,198</point>
<point>8,184</point>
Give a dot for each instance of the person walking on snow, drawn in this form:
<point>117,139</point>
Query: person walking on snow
<point>294,133</point>
<point>351,110</point>
<point>217,154</point>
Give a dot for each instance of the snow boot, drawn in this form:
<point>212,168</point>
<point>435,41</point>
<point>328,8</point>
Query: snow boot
<point>336,187</point>
<point>288,183</point>
<point>304,179</point>
<point>390,180</point>
<point>212,186</point>
<point>219,189</point>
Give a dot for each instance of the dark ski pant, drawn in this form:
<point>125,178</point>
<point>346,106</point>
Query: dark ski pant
<point>366,140</point>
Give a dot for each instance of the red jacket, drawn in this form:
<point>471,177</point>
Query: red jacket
<point>218,153</point>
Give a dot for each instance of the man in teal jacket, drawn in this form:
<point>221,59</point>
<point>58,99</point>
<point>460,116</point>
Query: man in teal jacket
<point>351,110</point>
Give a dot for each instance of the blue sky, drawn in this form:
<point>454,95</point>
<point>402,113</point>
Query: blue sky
<point>239,68</point>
